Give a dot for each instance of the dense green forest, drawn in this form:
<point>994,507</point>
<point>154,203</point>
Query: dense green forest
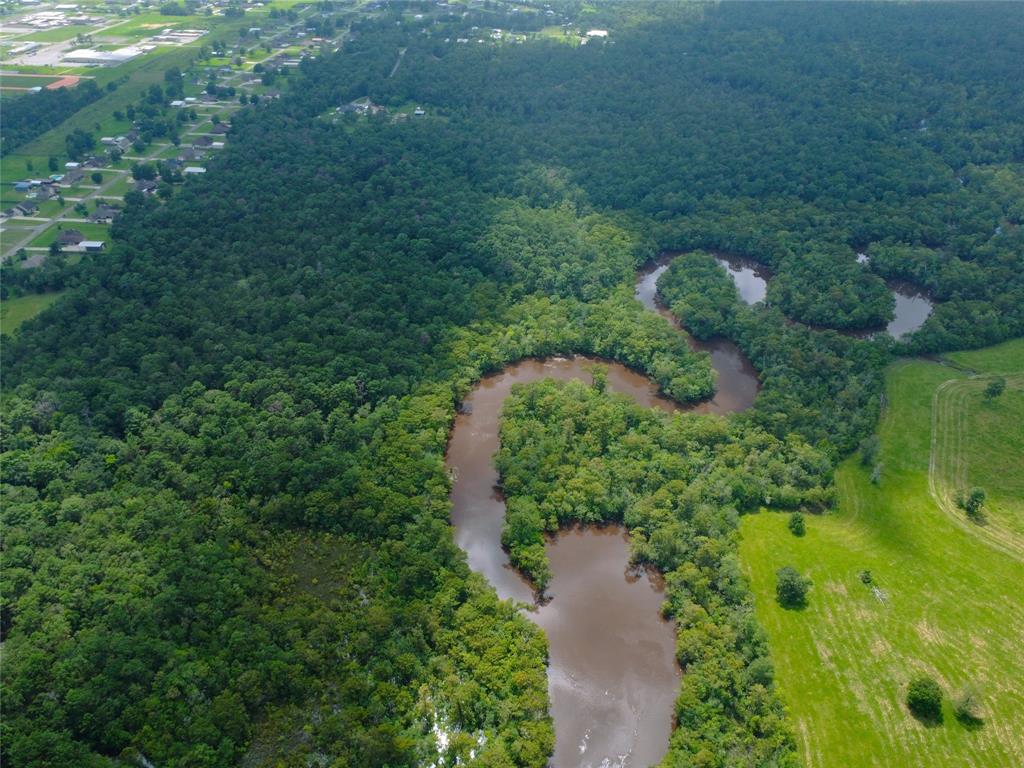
<point>570,454</point>
<point>225,504</point>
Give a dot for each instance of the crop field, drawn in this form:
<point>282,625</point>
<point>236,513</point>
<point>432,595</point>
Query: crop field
<point>945,596</point>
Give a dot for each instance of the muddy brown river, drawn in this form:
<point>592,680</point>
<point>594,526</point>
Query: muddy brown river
<point>612,675</point>
<point>737,384</point>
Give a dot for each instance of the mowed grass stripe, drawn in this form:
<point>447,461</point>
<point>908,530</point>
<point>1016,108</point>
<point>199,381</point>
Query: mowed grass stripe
<point>953,404</point>
<point>954,607</point>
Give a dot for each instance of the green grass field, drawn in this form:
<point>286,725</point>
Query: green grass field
<point>23,81</point>
<point>14,312</point>
<point>951,605</point>
<point>89,231</point>
<point>965,456</point>
<point>59,34</point>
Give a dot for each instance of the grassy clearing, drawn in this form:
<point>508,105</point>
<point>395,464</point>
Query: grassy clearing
<point>14,312</point>
<point>952,606</point>
<point>1007,357</point>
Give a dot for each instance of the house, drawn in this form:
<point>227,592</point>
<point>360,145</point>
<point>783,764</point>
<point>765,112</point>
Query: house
<point>188,154</point>
<point>220,128</point>
<point>26,208</point>
<point>146,186</point>
<point>92,246</point>
<point>72,177</point>
<point>202,142</point>
<point>22,186</point>
<point>178,103</point>
<point>69,237</point>
<point>72,165</point>
<point>104,214</point>
<point>419,112</point>
<point>194,169</point>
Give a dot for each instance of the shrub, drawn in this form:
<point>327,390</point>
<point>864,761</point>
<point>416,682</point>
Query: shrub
<point>869,450</point>
<point>995,388</point>
<point>791,588</point>
<point>924,698</point>
<point>972,502</point>
<point>796,524</point>
<point>966,705</point>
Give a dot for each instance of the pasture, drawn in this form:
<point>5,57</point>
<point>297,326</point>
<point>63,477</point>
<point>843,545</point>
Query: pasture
<point>945,595</point>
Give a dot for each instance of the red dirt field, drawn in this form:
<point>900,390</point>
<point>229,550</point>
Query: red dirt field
<point>68,81</point>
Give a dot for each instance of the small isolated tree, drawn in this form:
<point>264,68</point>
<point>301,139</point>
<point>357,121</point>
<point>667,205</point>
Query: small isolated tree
<point>866,577</point>
<point>868,450</point>
<point>924,699</point>
<point>995,388</point>
<point>52,163</point>
<point>796,524</point>
<point>972,502</point>
<point>97,177</point>
<point>966,706</point>
<point>876,474</point>
<point>791,588</point>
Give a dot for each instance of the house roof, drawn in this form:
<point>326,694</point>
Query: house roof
<point>70,236</point>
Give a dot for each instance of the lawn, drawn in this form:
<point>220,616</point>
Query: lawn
<point>89,230</point>
<point>122,186</point>
<point>14,312</point>
<point>951,603</point>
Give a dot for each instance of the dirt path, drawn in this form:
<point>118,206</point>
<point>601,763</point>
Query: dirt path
<point>398,61</point>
